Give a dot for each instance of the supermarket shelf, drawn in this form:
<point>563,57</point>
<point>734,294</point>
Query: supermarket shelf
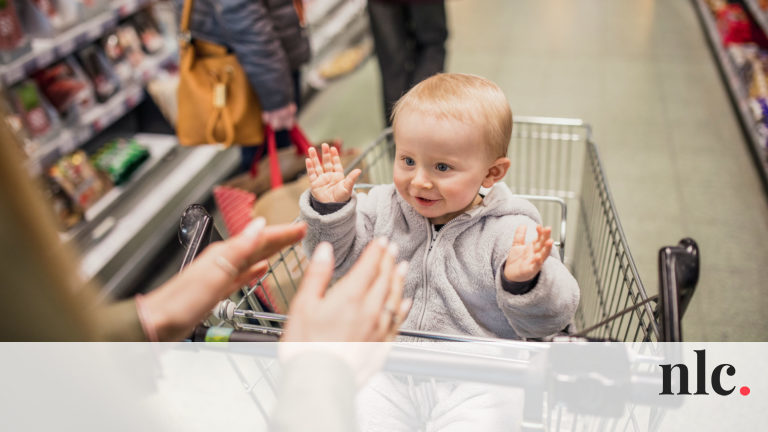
<point>143,222</point>
<point>760,16</point>
<point>159,146</point>
<point>356,32</point>
<point>100,116</point>
<point>739,96</point>
<point>322,37</point>
<point>46,51</point>
<point>316,10</point>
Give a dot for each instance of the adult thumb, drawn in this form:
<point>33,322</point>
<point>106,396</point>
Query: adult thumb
<point>318,274</point>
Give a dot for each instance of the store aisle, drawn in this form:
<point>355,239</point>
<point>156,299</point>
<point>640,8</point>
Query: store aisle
<point>641,73</point>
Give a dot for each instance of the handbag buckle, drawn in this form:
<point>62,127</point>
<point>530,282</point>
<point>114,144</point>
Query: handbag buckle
<point>219,95</point>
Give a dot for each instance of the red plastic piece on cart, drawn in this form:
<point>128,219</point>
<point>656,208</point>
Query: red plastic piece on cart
<point>236,206</point>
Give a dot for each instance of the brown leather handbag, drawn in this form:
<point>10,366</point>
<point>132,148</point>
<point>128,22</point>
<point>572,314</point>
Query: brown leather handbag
<point>215,100</point>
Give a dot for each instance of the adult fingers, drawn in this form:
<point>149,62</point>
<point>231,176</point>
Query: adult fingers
<point>375,297</point>
<point>402,313</point>
<point>519,238</point>
<point>318,274</point>
<point>253,272</point>
<point>277,238</point>
<point>257,242</point>
<point>360,277</point>
<point>388,317</point>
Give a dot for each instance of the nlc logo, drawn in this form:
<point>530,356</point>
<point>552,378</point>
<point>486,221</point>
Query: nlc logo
<point>701,377</point>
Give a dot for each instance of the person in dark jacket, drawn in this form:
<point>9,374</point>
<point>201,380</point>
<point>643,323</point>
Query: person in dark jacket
<point>409,37</point>
<point>271,43</point>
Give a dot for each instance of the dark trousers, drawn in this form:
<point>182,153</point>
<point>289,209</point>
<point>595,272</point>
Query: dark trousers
<point>282,137</point>
<point>410,40</point>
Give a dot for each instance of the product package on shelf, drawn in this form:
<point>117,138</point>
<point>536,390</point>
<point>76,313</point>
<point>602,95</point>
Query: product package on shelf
<point>67,213</point>
<point>96,66</point>
<point>14,41</point>
<point>48,18</point>
<point>735,25</point>
<point>67,88</point>
<point>39,119</point>
<point>131,44</point>
<point>163,91</point>
<point>165,17</point>
<point>118,57</point>
<point>149,33</point>
<point>16,124</point>
<point>119,159</point>
<point>79,179</point>
<point>751,64</point>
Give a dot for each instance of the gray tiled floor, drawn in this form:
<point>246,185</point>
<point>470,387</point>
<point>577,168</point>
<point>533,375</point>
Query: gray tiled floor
<point>641,73</point>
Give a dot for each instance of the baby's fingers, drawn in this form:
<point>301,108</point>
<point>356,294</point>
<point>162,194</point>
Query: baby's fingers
<point>310,169</point>
<point>327,159</point>
<point>316,161</point>
<point>349,181</point>
<point>519,238</point>
<point>336,160</point>
<point>542,254</point>
<point>544,234</point>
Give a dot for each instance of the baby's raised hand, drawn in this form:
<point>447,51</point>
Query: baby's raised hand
<point>327,181</point>
<point>525,260</point>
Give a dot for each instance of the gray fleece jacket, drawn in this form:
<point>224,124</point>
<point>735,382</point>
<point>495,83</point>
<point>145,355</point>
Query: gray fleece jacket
<point>455,277</point>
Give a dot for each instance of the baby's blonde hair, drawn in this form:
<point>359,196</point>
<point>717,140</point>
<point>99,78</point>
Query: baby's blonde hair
<point>470,99</point>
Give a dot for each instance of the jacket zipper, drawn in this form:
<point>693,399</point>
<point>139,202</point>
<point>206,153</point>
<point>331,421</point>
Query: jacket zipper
<point>430,246</point>
<point>426,275</point>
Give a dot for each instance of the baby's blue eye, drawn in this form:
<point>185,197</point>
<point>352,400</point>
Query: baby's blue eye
<point>442,167</point>
<point>409,161</point>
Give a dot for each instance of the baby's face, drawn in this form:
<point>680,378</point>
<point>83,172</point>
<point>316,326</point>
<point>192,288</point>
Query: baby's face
<point>440,165</point>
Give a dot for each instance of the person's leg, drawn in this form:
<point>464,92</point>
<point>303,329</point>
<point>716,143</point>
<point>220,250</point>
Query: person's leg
<point>427,23</point>
<point>390,41</point>
<point>246,158</point>
<point>296,76</point>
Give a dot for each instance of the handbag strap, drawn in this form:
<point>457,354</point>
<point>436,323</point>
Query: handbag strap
<point>275,173</point>
<point>186,14</point>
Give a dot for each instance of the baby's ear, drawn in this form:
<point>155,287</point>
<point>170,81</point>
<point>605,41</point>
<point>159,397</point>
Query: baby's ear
<point>496,171</point>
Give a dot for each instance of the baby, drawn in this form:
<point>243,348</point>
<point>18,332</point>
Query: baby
<point>479,265</point>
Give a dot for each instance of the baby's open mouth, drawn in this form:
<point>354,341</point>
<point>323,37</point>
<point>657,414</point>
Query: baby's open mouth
<point>425,202</point>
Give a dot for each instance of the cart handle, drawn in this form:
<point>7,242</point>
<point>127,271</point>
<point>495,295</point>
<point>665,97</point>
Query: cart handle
<point>678,276</point>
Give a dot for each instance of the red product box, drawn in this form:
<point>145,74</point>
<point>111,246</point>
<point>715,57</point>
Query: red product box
<point>734,25</point>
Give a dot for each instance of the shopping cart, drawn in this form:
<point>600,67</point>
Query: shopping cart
<point>555,164</point>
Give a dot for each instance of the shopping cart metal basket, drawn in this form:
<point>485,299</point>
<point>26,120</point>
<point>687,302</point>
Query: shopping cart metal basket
<point>556,165</point>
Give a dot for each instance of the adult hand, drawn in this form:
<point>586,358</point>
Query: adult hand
<point>327,181</point>
<point>171,311</point>
<point>281,118</point>
<point>366,305</point>
<point>524,261</point>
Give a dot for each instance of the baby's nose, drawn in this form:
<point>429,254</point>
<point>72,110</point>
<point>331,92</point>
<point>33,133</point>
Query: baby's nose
<point>422,181</point>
